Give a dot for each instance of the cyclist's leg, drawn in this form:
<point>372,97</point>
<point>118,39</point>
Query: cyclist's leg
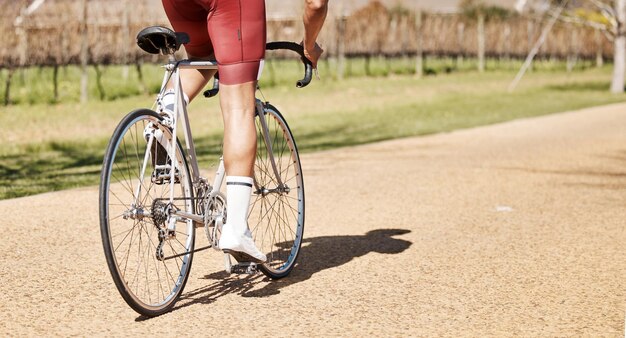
<point>190,17</point>
<point>238,35</point>
<point>194,80</point>
<point>238,106</point>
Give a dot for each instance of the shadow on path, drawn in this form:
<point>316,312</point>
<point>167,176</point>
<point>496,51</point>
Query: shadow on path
<point>317,254</point>
<point>613,178</point>
<point>322,253</point>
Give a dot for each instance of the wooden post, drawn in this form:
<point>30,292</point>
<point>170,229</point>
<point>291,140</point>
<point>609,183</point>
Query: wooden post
<point>392,33</point>
<point>507,41</point>
<point>22,32</point>
<point>419,58</point>
<point>460,35</point>
<point>22,36</point>
<point>63,58</point>
<point>341,46</point>
<point>271,71</point>
<point>530,33</point>
<point>84,54</point>
<point>481,42</point>
<point>22,44</point>
<point>125,36</point>
<point>573,50</point>
<point>405,41</point>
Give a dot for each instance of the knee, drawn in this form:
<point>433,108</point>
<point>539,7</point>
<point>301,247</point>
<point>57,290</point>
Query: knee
<point>317,5</point>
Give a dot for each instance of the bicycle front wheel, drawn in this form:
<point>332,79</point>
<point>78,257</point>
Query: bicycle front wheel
<point>277,207</point>
<point>148,251</point>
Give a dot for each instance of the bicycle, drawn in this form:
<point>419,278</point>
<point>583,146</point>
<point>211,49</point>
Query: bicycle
<point>152,197</point>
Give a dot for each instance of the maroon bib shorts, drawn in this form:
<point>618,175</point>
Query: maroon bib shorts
<point>232,30</point>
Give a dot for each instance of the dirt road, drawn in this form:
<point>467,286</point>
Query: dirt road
<point>516,229</point>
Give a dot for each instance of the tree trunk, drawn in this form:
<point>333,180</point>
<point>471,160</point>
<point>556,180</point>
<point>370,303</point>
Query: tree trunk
<point>7,88</point>
<point>619,64</point>
<point>142,85</point>
<point>619,58</point>
<point>99,82</point>
<point>55,82</point>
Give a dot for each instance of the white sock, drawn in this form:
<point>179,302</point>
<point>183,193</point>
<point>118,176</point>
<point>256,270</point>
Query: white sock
<point>238,193</point>
<point>169,99</point>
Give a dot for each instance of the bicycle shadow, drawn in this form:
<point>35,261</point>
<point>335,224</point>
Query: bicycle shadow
<point>317,254</point>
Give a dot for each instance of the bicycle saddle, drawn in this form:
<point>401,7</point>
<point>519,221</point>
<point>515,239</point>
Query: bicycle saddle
<point>161,40</point>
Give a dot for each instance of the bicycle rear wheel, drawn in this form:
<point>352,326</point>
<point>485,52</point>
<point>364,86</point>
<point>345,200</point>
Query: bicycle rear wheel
<point>149,263</point>
<point>277,212</point>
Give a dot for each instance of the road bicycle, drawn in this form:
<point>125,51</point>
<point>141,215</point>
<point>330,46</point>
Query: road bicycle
<point>152,196</point>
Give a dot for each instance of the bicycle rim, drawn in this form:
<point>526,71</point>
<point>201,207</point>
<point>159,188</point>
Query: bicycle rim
<point>130,222</point>
<point>277,215</point>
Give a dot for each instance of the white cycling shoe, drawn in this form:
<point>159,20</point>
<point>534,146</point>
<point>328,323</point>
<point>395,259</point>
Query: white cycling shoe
<point>241,247</point>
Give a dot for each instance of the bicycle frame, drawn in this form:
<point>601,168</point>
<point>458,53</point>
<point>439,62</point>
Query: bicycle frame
<point>172,75</point>
<point>180,110</point>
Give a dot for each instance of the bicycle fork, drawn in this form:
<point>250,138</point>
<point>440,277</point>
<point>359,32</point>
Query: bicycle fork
<point>268,142</point>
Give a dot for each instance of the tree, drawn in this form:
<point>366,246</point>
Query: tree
<point>538,44</point>
<point>609,16</point>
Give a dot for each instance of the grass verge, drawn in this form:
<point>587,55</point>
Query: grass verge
<point>54,147</point>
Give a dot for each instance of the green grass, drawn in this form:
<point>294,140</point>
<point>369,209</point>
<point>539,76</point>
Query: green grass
<point>49,147</point>
<point>35,85</point>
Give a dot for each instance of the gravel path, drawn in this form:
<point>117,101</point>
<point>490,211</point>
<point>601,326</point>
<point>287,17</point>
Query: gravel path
<point>516,229</point>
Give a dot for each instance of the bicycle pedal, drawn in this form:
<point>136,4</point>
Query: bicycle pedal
<point>161,176</point>
<point>244,268</point>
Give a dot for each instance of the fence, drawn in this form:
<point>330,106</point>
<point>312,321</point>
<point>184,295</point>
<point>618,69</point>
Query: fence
<point>68,34</point>
<point>56,39</point>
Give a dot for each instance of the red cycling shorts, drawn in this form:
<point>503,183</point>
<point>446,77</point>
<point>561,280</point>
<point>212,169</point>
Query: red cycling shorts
<point>232,30</point>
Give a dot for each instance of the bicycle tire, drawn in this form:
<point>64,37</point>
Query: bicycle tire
<point>276,218</point>
<point>121,174</point>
